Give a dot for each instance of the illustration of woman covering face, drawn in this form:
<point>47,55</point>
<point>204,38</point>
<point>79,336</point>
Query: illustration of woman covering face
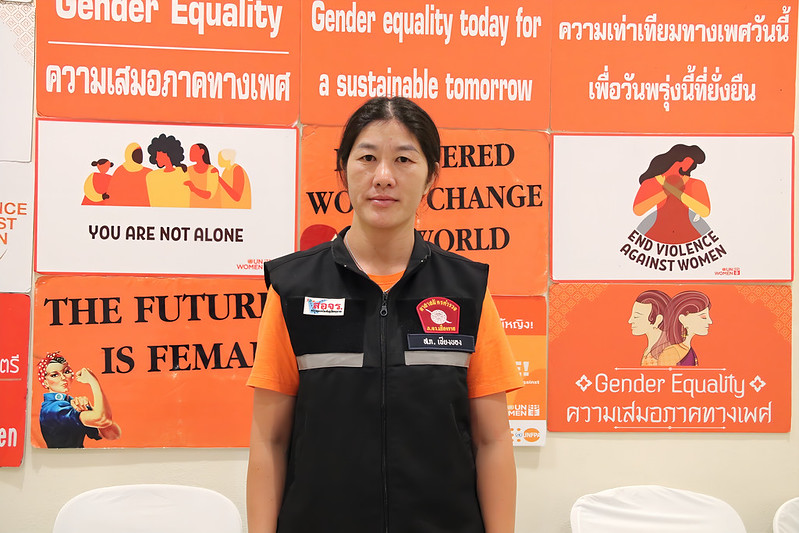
<point>65,420</point>
<point>646,318</point>
<point>687,315</point>
<point>680,201</point>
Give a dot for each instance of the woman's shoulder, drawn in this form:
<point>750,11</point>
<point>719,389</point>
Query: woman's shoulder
<point>672,355</point>
<point>297,259</point>
<point>436,250</point>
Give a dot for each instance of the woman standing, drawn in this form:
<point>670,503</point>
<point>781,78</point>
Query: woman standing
<point>382,366</point>
<point>166,185</point>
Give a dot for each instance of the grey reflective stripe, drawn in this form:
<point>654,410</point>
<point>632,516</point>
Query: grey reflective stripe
<point>432,357</point>
<point>328,360</point>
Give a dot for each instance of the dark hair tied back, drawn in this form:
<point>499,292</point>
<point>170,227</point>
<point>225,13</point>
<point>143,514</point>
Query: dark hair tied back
<point>398,108</point>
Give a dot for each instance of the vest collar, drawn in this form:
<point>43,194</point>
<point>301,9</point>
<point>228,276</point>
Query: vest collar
<point>419,254</point>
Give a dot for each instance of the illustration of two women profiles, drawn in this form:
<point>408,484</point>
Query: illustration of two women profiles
<point>65,421</point>
<point>669,325</point>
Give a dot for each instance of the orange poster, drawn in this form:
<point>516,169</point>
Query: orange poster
<point>14,339</point>
<point>674,66</point>
<point>524,320</point>
<point>714,358</point>
<point>229,62</point>
<point>490,204</point>
<point>470,64</point>
<point>143,362</point>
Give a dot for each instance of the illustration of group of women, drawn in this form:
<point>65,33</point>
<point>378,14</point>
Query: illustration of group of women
<point>681,201</point>
<point>172,183</point>
<point>669,325</point>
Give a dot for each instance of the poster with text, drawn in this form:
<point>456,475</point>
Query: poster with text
<point>178,61</point>
<point>14,339</point>
<point>16,226</point>
<point>143,362</point>
<point>470,64</point>
<point>672,208</point>
<point>16,82</point>
<point>163,198</point>
<point>714,358</point>
<point>490,203</point>
<point>525,321</point>
<point>666,66</point>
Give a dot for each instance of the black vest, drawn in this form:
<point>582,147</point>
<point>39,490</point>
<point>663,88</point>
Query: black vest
<point>381,439</point>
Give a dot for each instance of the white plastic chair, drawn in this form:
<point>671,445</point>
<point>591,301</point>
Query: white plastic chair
<point>786,519</point>
<point>149,509</point>
<point>653,509</point>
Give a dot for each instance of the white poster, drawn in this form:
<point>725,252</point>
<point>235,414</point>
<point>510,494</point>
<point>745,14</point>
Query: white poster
<point>16,226</point>
<point>16,81</point>
<point>124,198</point>
<point>672,208</point>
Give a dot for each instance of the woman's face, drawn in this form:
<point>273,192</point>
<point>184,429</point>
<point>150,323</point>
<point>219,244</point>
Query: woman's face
<point>686,164</point>
<point>697,323</point>
<point>58,377</point>
<point>162,159</point>
<point>104,167</point>
<point>639,319</point>
<point>195,153</point>
<point>386,176</point>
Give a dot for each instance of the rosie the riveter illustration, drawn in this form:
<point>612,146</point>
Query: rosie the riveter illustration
<point>66,420</point>
<point>680,201</point>
<point>669,325</point>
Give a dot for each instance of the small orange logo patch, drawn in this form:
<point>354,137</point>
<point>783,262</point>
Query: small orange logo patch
<point>439,315</point>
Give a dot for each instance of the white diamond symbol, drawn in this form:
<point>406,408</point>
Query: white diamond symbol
<point>757,383</point>
<point>583,382</point>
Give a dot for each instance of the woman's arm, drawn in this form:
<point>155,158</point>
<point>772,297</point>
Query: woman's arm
<point>496,467</point>
<point>236,189</point>
<point>89,190</point>
<point>99,416</point>
<point>270,435</point>
<point>650,194</point>
<point>202,193</point>
<point>694,196</point>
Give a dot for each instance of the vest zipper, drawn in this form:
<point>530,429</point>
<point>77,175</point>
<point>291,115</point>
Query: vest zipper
<point>383,422</point>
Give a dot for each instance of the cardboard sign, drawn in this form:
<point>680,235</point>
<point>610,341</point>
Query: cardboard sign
<point>171,356</point>
<point>14,339</point>
<point>674,66</point>
<point>179,61</point>
<point>672,208</point>
<point>470,65</point>
<point>197,200</point>
<point>524,320</point>
<point>713,358</point>
<point>490,203</point>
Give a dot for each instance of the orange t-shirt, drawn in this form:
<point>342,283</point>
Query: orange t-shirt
<point>492,367</point>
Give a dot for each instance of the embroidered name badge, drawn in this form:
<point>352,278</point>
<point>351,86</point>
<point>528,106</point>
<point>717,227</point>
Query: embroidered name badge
<point>323,306</point>
<point>439,315</point>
